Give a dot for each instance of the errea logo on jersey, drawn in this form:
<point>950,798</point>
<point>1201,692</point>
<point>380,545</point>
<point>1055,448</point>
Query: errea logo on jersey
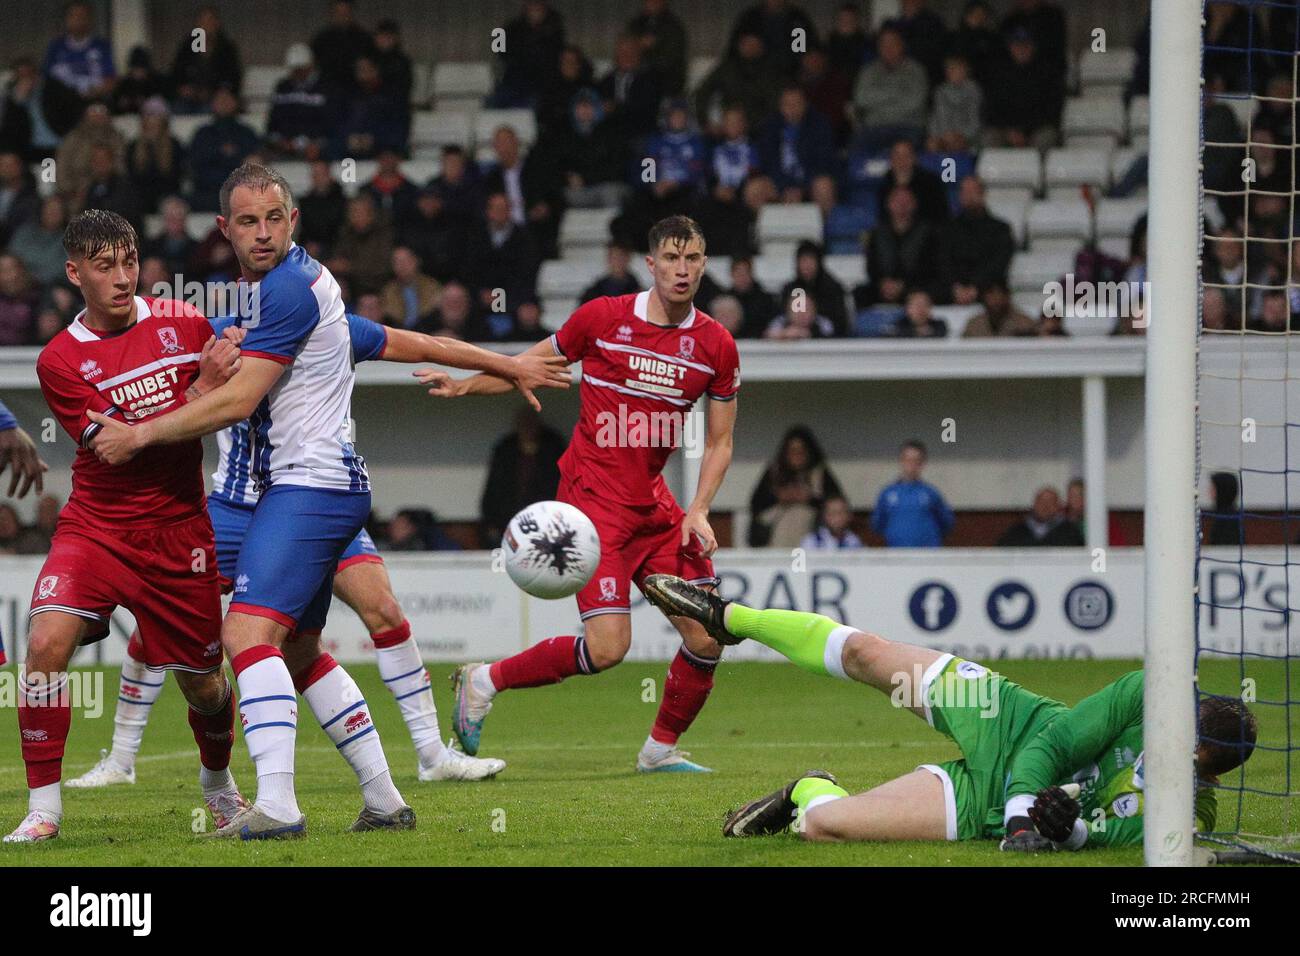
<point>241,584</point>
<point>624,333</point>
<point>90,370</point>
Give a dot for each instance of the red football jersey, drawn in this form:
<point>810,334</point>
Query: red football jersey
<point>140,371</point>
<point>639,381</point>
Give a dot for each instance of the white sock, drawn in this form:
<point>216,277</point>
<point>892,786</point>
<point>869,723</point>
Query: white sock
<point>137,691</point>
<point>212,782</point>
<point>338,704</point>
<point>48,799</point>
<point>481,678</point>
<point>655,748</point>
<point>268,710</point>
<point>402,669</point>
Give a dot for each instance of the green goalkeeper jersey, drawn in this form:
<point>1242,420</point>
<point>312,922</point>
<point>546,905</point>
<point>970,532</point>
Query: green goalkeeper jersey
<point>1098,745</point>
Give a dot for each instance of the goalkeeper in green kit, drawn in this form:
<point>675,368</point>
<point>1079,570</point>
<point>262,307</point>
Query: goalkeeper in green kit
<point>1035,773</point>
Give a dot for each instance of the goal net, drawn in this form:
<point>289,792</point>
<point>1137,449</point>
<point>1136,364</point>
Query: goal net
<point>1249,415</point>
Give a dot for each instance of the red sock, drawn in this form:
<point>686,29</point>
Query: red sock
<point>546,663</point>
<point>690,678</point>
<point>215,733</point>
<point>313,672</point>
<point>397,635</point>
<point>44,715</point>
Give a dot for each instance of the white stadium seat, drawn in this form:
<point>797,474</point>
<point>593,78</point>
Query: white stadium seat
<point>1012,207</point>
<point>437,128</point>
<point>1029,302</point>
<point>184,127</point>
<point>1030,271</point>
<point>256,119</point>
<point>199,224</point>
<point>1088,326</point>
<point>1058,219</point>
<point>128,125</point>
<point>789,223</point>
<point>421,78</point>
<point>1022,168</point>
<point>772,272</point>
<point>555,309</point>
<point>1121,160</point>
<point>1103,141</point>
<point>1139,116</point>
<point>1110,70</point>
<point>523,122</point>
<point>1115,217</point>
<point>585,229</point>
<point>461,82</point>
<point>1117,247</point>
<point>698,69</point>
<point>568,277</point>
<point>956,316</point>
<point>850,269</point>
<point>1056,245</point>
<point>1093,115</point>
<point>421,169</point>
<point>259,82</point>
<point>1077,167</point>
<point>298,175</point>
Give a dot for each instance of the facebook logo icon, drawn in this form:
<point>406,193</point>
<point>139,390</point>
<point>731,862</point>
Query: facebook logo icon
<point>933,606</point>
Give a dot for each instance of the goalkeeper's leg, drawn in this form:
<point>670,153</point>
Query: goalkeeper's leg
<point>814,642</point>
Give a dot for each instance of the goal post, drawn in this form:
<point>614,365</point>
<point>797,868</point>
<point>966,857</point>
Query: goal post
<point>1170,532</point>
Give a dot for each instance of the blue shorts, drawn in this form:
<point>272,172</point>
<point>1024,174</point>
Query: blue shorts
<point>292,543</point>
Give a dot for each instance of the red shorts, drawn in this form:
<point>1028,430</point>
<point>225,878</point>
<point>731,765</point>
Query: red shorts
<point>635,541</point>
<point>166,577</point>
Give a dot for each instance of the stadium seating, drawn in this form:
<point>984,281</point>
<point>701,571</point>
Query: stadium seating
<point>433,129</point>
<point>1106,71</point>
<point>1058,219</point>
<point>1012,206</point>
<point>788,224</point>
<point>1022,168</point>
<point>259,83</point>
<point>1030,271</point>
<point>1139,116</point>
<point>1116,217</point>
<point>523,122</point>
<point>1094,116</point>
<point>583,230</point>
<point>1066,170</point>
<point>461,85</point>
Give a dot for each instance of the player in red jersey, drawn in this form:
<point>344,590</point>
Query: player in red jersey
<point>646,359</point>
<point>135,535</point>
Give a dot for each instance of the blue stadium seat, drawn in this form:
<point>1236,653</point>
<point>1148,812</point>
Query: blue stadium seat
<point>877,321</point>
<point>846,226</point>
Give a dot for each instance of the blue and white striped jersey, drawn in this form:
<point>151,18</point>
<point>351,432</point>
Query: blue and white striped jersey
<point>236,481</point>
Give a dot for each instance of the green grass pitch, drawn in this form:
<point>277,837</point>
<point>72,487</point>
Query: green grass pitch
<point>570,795</point>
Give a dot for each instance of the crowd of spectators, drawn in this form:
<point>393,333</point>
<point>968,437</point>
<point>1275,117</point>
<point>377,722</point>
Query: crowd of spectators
<point>855,121</point>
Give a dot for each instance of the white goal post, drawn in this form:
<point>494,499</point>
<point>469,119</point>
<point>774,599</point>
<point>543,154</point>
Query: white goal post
<point>1174,238</point>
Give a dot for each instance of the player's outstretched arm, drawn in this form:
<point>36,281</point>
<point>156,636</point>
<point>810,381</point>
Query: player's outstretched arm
<point>527,372</point>
<point>443,386</point>
<point>18,451</point>
<point>218,409</point>
<point>718,442</point>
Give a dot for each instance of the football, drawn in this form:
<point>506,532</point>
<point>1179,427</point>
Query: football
<point>551,549</point>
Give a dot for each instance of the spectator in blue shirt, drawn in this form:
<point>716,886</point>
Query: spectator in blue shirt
<point>80,59</point>
<point>796,147</point>
<point>911,513</point>
<point>18,452</point>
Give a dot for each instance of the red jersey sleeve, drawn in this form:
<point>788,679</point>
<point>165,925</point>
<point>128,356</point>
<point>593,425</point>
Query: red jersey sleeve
<point>578,332</point>
<point>69,397</point>
<point>726,381</point>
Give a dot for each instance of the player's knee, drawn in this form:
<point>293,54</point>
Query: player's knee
<point>300,651</point>
<point>606,654</point>
<point>203,692</point>
<point>383,614</point>
<point>47,650</point>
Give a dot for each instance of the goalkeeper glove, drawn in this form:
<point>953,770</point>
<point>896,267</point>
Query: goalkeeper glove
<point>1053,814</point>
<point>1023,838</point>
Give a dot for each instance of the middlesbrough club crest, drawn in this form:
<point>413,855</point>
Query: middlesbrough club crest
<point>46,587</point>
<point>170,343</point>
<point>686,347</point>
<point>608,589</point>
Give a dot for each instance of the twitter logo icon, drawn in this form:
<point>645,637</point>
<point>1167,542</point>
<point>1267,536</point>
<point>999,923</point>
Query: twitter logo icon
<point>1011,606</point>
